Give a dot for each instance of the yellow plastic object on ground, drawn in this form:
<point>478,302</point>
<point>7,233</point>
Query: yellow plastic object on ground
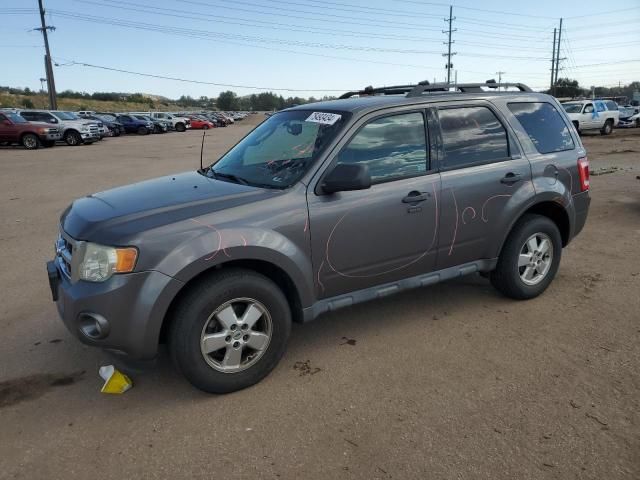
<point>114,380</point>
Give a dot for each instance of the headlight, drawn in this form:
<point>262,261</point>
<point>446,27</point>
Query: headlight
<point>100,262</point>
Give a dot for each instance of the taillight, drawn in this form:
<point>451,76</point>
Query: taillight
<point>583,172</point>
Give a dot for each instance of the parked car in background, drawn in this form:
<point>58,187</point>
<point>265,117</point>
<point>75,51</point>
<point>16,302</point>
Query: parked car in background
<point>75,130</point>
<point>592,115</point>
<point>629,117</point>
<point>31,135</point>
<point>179,123</point>
<point>113,126</point>
<point>198,122</point>
<point>159,126</point>
<point>132,124</point>
<point>217,119</point>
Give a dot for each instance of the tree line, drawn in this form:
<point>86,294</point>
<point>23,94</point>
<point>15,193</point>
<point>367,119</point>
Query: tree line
<point>567,87</point>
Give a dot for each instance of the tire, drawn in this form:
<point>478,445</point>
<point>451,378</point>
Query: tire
<point>116,132</point>
<point>509,277</point>
<point>180,127</point>
<point>143,131</point>
<point>194,317</point>
<point>72,138</point>
<point>30,141</point>
<point>607,128</point>
<point>637,122</point>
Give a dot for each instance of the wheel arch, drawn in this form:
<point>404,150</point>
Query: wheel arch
<point>551,209</point>
<point>270,270</point>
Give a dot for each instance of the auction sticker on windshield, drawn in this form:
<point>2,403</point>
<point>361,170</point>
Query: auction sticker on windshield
<point>323,118</point>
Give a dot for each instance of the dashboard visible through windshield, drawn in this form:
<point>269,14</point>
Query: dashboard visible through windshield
<point>280,150</point>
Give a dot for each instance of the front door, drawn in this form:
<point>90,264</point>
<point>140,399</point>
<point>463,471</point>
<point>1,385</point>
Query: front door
<point>483,177</point>
<point>389,231</point>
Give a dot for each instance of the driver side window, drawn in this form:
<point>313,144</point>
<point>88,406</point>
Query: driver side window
<point>393,147</point>
<point>588,108</point>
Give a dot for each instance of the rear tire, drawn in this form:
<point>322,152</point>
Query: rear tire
<point>233,290</point>
<point>30,141</point>
<point>607,128</point>
<point>513,274</point>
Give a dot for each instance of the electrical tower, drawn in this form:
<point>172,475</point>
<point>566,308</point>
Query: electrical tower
<point>449,53</point>
<point>51,85</point>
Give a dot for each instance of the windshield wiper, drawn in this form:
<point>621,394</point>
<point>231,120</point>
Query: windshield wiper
<point>228,176</point>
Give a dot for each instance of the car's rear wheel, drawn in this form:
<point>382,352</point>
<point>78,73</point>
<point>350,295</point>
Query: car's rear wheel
<point>30,141</point>
<point>607,128</point>
<point>230,330</point>
<point>72,138</point>
<point>529,259</point>
<point>143,131</point>
<point>180,127</point>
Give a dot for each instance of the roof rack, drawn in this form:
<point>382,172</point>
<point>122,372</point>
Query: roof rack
<point>425,86</point>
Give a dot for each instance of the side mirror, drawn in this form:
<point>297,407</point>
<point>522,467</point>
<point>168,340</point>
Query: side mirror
<point>52,120</point>
<point>346,177</point>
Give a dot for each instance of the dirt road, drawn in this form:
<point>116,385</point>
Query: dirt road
<point>448,382</point>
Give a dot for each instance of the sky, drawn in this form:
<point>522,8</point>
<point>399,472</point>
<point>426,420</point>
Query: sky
<point>309,47</point>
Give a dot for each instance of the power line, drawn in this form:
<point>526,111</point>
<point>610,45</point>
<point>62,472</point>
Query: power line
<point>598,14</point>
<point>501,12</point>
<point>201,82</point>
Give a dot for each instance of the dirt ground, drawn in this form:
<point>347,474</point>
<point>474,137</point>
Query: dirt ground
<point>448,382</point>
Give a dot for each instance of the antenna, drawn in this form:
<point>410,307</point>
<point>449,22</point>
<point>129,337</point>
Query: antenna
<point>204,132</point>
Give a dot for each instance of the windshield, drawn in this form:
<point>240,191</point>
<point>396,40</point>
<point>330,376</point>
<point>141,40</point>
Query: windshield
<point>107,118</point>
<point>572,107</point>
<point>280,150</point>
<point>65,115</point>
<point>14,117</point>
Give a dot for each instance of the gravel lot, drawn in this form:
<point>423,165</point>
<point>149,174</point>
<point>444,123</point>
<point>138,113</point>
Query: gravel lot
<point>449,382</point>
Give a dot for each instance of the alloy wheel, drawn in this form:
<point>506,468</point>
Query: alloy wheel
<point>536,257</point>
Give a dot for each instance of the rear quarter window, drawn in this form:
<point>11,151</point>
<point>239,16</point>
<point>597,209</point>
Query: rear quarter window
<point>544,125</point>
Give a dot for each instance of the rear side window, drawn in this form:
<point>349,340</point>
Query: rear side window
<point>544,125</point>
<point>393,147</point>
<point>471,136</point>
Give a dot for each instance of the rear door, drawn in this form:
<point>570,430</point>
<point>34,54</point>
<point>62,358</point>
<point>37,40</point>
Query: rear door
<point>484,177</point>
<point>389,231</point>
<point>7,132</point>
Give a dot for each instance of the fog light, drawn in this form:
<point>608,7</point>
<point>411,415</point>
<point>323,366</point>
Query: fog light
<point>93,326</point>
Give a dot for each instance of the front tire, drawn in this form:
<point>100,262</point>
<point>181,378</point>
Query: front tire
<point>143,131</point>
<point>180,127</point>
<point>72,138</point>
<point>529,259</point>
<point>30,141</point>
<point>230,330</point>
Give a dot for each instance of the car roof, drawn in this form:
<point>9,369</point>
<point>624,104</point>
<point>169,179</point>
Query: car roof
<point>374,102</point>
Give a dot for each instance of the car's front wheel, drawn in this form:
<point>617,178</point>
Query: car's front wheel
<point>230,330</point>
<point>607,128</point>
<point>72,138</point>
<point>529,259</point>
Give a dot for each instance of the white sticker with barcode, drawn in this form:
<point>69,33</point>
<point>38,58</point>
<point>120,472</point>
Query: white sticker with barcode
<point>324,118</point>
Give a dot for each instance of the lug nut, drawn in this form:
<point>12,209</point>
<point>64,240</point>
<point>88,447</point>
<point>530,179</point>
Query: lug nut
<point>236,344</point>
<point>245,326</point>
<point>227,339</point>
<point>233,327</point>
<point>245,338</point>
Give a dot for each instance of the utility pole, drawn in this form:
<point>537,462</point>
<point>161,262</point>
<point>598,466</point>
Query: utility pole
<point>553,63</point>
<point>500,78</point>
<point>449,65</point>
<point>51,85</point>
<point>558,54</point>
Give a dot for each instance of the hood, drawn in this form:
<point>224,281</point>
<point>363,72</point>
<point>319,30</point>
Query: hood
<point>113,216</point>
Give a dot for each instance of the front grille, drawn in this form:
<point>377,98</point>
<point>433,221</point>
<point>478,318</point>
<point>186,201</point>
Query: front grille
<point>64,254</point>
<point>52,130</point>
<point>93,128</point>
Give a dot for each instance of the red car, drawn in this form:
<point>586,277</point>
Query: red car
<point>197,122</point>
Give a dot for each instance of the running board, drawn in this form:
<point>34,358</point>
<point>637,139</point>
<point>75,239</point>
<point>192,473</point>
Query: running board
<point>379,291</point>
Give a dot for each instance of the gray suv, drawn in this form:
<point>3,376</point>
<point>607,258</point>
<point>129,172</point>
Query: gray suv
<point>320,207</point>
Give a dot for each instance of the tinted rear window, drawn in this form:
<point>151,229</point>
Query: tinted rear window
<point>544,125</point>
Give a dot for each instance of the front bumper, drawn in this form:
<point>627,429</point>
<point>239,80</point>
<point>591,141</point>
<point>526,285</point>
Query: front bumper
<point>88,137</point>
<point>134,305</point>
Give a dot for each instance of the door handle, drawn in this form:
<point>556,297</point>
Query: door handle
<point>511,178</point>
<point>415,197</point>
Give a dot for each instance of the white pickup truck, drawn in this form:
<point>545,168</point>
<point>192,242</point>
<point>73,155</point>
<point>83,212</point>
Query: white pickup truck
<point>592,115</point>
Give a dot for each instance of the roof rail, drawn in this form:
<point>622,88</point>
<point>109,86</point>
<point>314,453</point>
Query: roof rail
<point>425,86</point>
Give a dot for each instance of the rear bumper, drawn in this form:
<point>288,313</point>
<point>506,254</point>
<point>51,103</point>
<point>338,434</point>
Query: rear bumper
<point>581,202</point>
<point>133,305</point>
